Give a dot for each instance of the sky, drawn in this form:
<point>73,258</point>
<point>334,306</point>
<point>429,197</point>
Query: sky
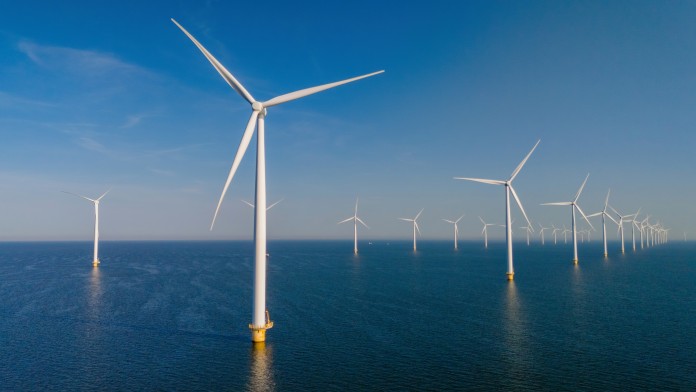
<point>112,95</point>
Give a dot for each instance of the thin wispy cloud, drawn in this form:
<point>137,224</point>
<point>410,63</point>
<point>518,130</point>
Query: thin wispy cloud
<point>12,100</point>
<point>84,62</point>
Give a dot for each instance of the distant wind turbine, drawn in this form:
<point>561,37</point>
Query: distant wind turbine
<point>355,220</point>
<point>622,219</point>
<point>604,215</point>
<point>415,227</point>
<point>555,230</point>
<point>456,229</point>
<point>541,232</point>
<point>508,189</point>
<point>574,205</point>
<point>267,208</point>
<point>485,231</point>
<point>96,261</point>
<point>527,230</point>
<point>261,319</point>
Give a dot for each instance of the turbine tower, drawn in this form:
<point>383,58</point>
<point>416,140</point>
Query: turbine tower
<point>355,220</point>
<point>604,215</point>
<point>96,261</point>
<point>574,205</point>
<point>415,227</point>
<point>456,229</point>
<point>260,319</point>
<point>508,224</point>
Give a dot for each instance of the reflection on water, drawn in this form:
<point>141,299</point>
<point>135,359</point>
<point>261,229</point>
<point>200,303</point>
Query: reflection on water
<point>516,334</point>
<point>261,374</point>
<point>95,294</point>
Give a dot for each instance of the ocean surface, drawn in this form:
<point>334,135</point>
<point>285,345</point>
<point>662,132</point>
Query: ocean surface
<point>174,316</point>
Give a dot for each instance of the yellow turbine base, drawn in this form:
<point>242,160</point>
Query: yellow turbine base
<point>95,263</point>
<point>258,334</point>
<point>510,275</point>
<point>575,262</point>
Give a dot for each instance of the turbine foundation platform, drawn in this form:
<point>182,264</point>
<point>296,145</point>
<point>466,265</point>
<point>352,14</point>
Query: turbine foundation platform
<point>258,334</point>
<point>510,276</point>
<point>575,262</point>
<point>95,263</point>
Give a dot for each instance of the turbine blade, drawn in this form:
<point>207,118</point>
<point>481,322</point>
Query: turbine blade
<point>584,216</point>
<point>345,220</point>
<point>103,194</point>
<point>561,203</point>
<point>492,182</point>
<point>273,205</point>
<point>519,203</point>
<point>606,201</point>
<point>243,144</point>
<point>75,194</point>
<point>577,195</point>
<point>361,222</point>
<point>595,214</point>
<point>234,83</point>
<point>417,228</point>
<point>421,211</point>
<point>356,206</point>
<point>460,218</point>
<point>312,90</point>
<point>406,219</point>
<point>519,167</point>
<point>612,219</point>
<point>247,203</point>
<point>482,221</point>
<point>448,221</point>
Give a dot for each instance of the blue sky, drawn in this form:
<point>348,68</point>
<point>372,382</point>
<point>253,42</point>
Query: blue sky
<point>98,96</point>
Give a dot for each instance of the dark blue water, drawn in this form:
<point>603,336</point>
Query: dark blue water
<point>174,316</point>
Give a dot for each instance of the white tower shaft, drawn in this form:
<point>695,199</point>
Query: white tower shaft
<point>575,237</point>
<point>96,234</point>
<point>259,323</point>
<point>508,234</point>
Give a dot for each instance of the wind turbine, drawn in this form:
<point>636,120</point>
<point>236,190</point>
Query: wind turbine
<point>604,215</point>
<point>96,261</point>
<point>456,229</point>
<point>415,227</point>
<point>541,232</point>
<point>565,234</point>
<point>528,230</point>
<point>554,231</point>
<point>574,205</point>
<point>508,224</point>
<point>355,220</point>
<point>485,231</point>
<point>633,228</point>
<point>260,319</point>
<point>622,219</point>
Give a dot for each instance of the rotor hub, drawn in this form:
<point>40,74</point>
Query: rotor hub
<point>257,106</point>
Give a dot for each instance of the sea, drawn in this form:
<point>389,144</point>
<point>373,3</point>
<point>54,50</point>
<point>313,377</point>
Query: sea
<point>173,316</point>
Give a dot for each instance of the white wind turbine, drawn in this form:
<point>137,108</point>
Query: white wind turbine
<point>604,215</point>
<point>456,229</point>
<point>554,231</point>
<point>622,219</point>
<point>485,231</point>
<point>541,232</point>
<point>355,220</point>
<point>415,227</point>
<point>96,261</point>
<point>508,224</point>
<point>574,205</point>
<point>633,228</point>
<point>528,230</point>
<point>565,234</point>
<point>260,319</point>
